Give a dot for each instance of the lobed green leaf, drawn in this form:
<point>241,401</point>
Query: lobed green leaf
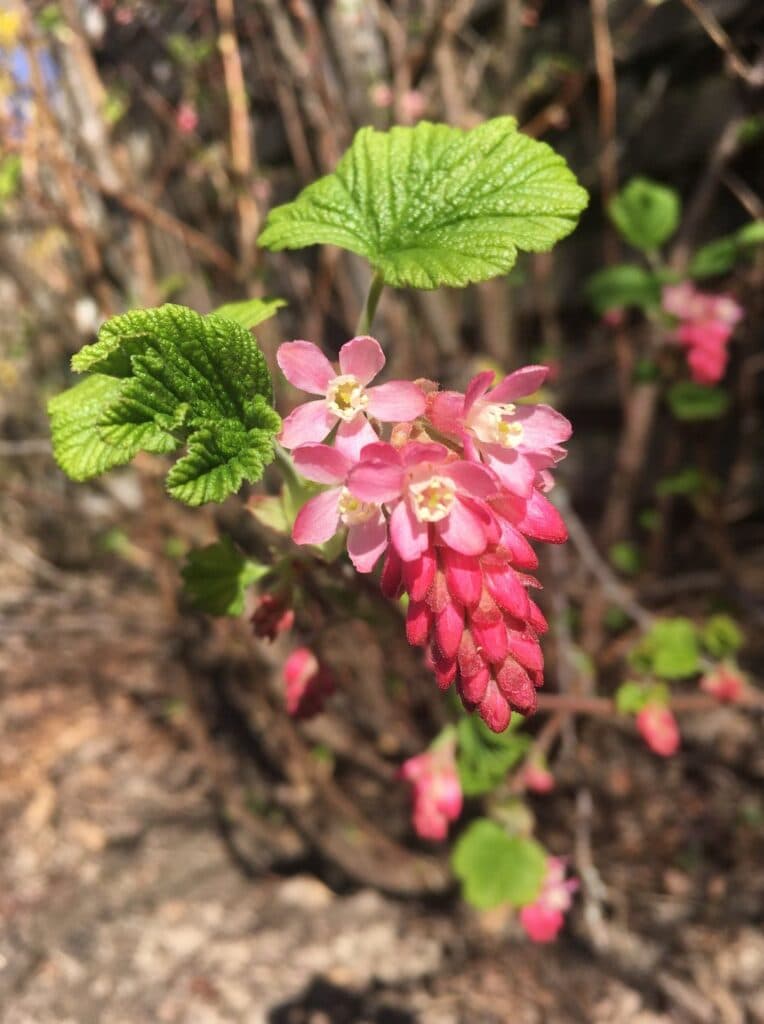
<point>215,578</point>
<point>173,376</point>
<point>646,213</point>
<point>496,868</point>
<point>433,205</point>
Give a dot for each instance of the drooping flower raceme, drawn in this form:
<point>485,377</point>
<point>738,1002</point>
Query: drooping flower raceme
<point>346,401</point>
<point>437,791</point>
<point>454,518</point>
<point>706,322</point>
<point>543,919</point>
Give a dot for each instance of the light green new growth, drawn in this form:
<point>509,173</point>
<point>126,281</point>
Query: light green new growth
<point>216,577</point>
<point>646,213</point>
<point>161,377</point>
<point>433,205</point>
<point>250,312</point>
<point>496,868</point>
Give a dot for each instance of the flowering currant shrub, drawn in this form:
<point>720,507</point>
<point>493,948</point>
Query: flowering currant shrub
<point>436,491</point>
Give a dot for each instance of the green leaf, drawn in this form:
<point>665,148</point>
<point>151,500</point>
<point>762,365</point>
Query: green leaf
<point>174,376</point>
<point>625,557</point>
<point>721,636</point>
<point>78,446</point>
<point>631,697</point>
<point>645,213</point>
<point>687,482</point>
<point>215,578</point>
<point>10,177</point>
<point>250,312</point>
<point>621,286</point>
<point>433,205</point>
<point>693,402</point>
<point>670,648</point>
<point>495,868</point>
<point>485,757</point>
<point>721,255</point>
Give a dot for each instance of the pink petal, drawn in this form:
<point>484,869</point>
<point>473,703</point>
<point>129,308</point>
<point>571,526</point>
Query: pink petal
<point>518,384</point>
<point>472,479</point>
<point>363,357</point>
<point>463,530</point>
<point>375,481</point>
<point>307,423</point>
<point>398,401</point>
<point>305,366</point>
<point>514,470</point>
<point>321,463</point>
<point>423,451</point>
<point>366,542</point>
<point>542,426</point>
<point>477,388</point>
<point>318,518</point>
<point>410,537</point>
<point>354,436</point>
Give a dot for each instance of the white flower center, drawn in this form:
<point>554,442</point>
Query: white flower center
<point>432,498</point>
<point>346,396</point>
<point>353,511</point>
<point>491,423</point>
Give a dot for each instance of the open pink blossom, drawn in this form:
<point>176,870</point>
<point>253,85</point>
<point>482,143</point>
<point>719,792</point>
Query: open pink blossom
<point>434,496</point>
<point>437,791</point>
<point>346,399</point>
<point>517,442</point>
<point>543,919</point>
<point>321,517</point>
<point>307,683</point>
<point>658,728</point>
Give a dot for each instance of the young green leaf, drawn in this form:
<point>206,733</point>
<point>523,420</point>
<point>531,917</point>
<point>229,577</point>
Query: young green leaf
<point>496,868</point>
<point>250,312</point>
<point>485,757</point>
<point>174,376</point>
<point>433,205</point>
<point>78,446</point>
<point>721,636</point>
<point>645,213</point>
<point>622,286</point>
<point>215,578</point>
<point>670,649</point>
<point>721,255</point>
<point>693,402</point>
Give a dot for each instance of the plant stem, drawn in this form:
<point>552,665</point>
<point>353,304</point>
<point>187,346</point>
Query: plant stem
<point>370,305</point>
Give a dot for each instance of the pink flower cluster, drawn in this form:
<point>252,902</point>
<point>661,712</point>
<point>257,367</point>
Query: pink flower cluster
<point>437,791</point>
<point>706,322</point>
<point>453,501</point>
<point>543,919</point>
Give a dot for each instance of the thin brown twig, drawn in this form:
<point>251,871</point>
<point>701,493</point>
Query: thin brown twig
<point>716,33</point>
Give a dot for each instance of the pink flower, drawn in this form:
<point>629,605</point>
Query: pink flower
<point>321,517</point>
<point>307,683</point>
<point>346,398</point>
<point>726,683</point>
<point>706,322</point>
<point>437,791</point>
<point>434,496</point>
<point>186,118</point>
<point>543,919</point>
<point>272,616</point>
<point>659,729</point>
<point>412,106</point>
<point>517,442</point>
<point>381,95</point>
<point>537,778</point>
